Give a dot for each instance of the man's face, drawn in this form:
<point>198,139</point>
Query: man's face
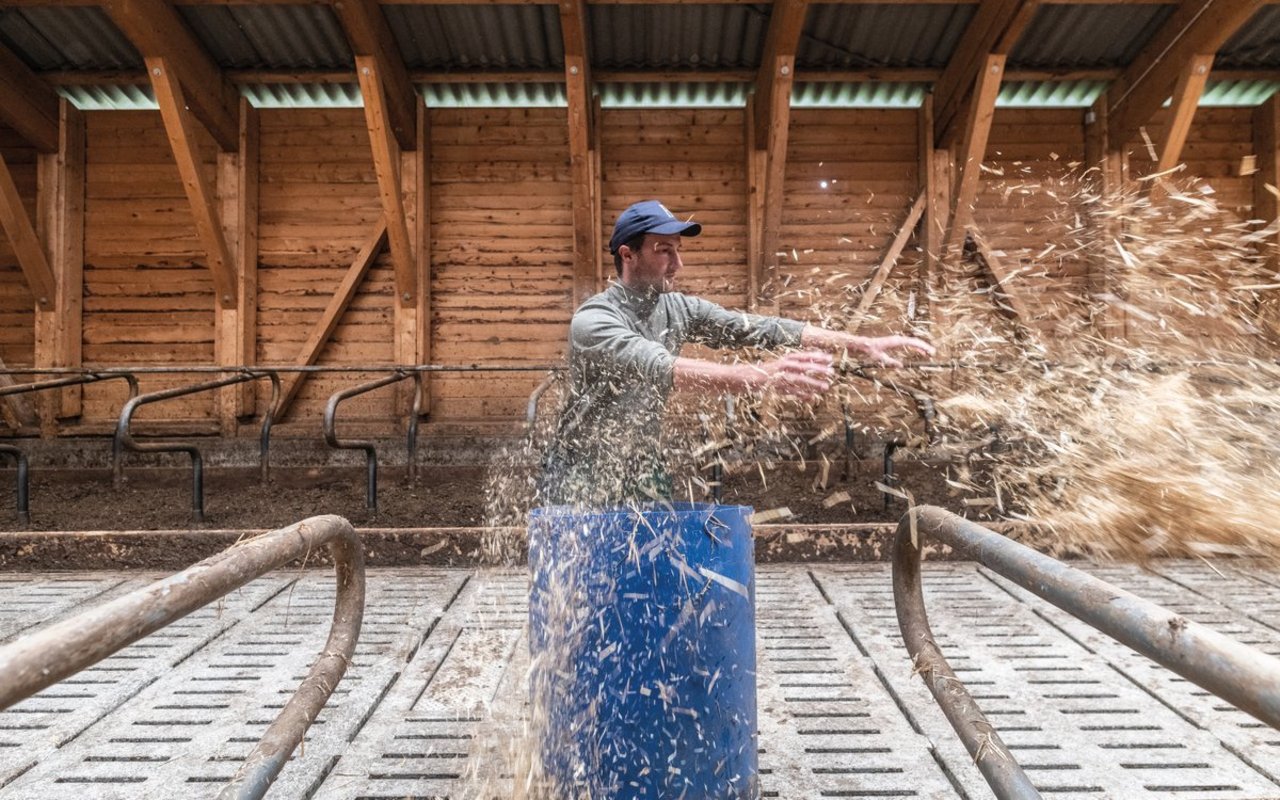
<point>654,266</point>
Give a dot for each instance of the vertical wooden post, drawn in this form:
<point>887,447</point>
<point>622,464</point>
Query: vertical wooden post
<point>1108,163</point>
<point>756,159</point>
<point>422,190</point>
<point>934,180</point>
<point>60,218</point>
<point>235,339</point>
<point>406,319</point>
<point>1266,205</point>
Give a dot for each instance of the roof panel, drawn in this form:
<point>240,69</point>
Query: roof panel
<point>1255,45</point>
<point>1087,36</point>
<point>493,37</point>
<point>694,36</point>
<point>270,37</point>
<point>690,94</point>
<point>857,36</point>
<point>66,38</point>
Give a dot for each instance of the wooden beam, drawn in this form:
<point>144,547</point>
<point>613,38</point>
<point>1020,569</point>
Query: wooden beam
<point>973,148</point>
<point>1197,27</point>
<point>756,162</point>
<point>994,30</point>
<point>872,291</point>
<point>371,38</point>
<point>1001,278</point>
<point>158,32</point>
<point>26,245</point>
<point>1266,148</point>
<point>1185,100</point>
<point>332,315</point>
<point>934,166</point>
<point>181,130</point>
<point>583,177</point>
<point>386,163</point>
<point>772,111</point>
<point>1107,167</point>
<point>27,103</point>
<point>235,338</point>
<point>60,219</point>
<point>422,179</point>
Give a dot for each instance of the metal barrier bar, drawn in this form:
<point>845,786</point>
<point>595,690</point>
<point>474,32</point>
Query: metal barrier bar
<point>370,449</point>
<point>1243,676</point>
<point>124,438</point>
<point>40,660</point>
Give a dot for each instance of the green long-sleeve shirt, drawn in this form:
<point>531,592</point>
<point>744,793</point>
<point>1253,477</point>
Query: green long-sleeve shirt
<point>623,346</point>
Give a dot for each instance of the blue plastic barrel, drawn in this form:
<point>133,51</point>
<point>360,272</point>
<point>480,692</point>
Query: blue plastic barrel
<point>642,633</point>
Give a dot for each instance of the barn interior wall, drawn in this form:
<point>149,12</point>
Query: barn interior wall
<point>500,233</point>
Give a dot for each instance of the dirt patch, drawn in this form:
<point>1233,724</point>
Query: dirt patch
<point>443,496</point>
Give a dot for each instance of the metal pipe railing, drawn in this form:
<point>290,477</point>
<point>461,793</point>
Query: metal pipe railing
<point>40,660</point>
<point>1243,676</point>
<point>24,472</point>
<point>24,481</point>
<point>124,438</point>
<point>371,449</point>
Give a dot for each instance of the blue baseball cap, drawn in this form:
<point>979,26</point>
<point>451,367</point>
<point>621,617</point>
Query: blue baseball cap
<point>648,216</point>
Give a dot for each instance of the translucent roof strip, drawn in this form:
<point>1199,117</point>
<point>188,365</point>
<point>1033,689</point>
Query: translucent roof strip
<point>691,94</point>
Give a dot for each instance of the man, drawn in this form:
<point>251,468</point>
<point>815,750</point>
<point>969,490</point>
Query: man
<point>624,361</point>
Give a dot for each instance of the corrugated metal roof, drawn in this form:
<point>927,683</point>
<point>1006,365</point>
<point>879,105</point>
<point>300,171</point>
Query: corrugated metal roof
<point>303,95</point>
<point>110,98</point>
<point>1049,94</point>
<point>856,36</point>
<point>721,36</point>
<point>270,37</point>
<point>499,37</point>
<point>1087,36</point>
<point>66,38</point>
<point>1255,45</point>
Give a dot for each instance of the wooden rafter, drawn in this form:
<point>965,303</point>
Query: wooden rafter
<point>973,147</point>
<point>22,235</point>
<point>1186,97</point>
<point>27,103</point>
<point>1197,27</point>
<point>1005,296</point>
<point>771,122</point>
<point>887,263</point>
<point>994,30</point>
<point>371,37</point>
<point>180,128</point>
<point>332,315</point>
<point>583,177</point>
<point>158,32</point>
<point>386,162</point>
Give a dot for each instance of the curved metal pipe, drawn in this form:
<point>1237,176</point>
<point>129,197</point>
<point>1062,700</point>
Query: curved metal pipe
<point>1243,676</point>
<point>42,659</point>
<point>531,411</point>
<point>124,438</point>
<point>24,482</point>
<point>369,448</point>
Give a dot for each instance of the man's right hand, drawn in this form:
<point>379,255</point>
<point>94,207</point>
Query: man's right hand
<point>805,375</point>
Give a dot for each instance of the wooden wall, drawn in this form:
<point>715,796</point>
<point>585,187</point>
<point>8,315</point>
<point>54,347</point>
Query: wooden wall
<point>500,234</point>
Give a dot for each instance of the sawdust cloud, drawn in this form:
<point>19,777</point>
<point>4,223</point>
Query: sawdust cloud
<point>1129,414</point>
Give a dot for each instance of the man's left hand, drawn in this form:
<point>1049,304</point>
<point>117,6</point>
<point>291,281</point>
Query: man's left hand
<point>877,349</point>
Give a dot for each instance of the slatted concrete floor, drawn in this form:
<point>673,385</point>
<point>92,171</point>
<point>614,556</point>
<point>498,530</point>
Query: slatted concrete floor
<point>434,699</point>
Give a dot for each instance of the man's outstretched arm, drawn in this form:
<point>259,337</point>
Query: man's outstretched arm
<point>876,349</point>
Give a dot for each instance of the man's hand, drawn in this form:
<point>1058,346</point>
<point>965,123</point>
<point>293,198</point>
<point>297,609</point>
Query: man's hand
<point>806,375</point>
<point>878,349</point>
